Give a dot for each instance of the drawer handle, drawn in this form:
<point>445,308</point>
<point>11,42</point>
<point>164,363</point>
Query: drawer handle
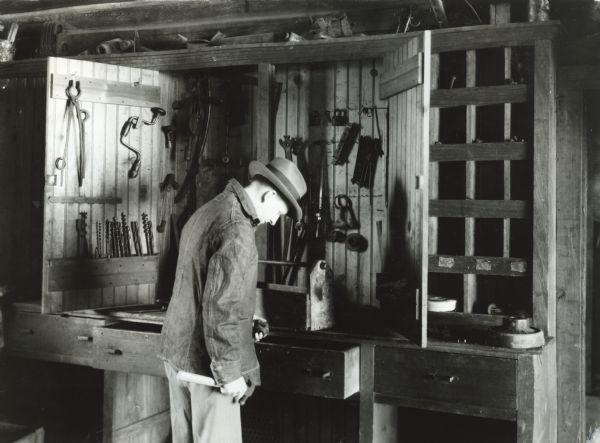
<point>84,338</point>
<point>111,351</point>
<point>325,375</point>
<point>26,331</point>
<point>442,378</point>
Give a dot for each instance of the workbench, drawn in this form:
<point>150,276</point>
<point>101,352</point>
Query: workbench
<point>379,370</point>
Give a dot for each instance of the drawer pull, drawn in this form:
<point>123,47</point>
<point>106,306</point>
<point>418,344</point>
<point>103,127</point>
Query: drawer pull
<point>325,375</point>
<point>442,378</point>
<point>111,351</point>
<point>84,338</point>
<point>26,331</point>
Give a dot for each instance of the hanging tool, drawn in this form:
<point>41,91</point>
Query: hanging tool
<point>321,220</point>
<point>190,177</point>
<point>147,227</point>
<point>135,166</point>
<point>168,184</point>
<point>286,144</point>
<point>73,113</point>
<point>125,231</point>
<point>347,219</point>
<point>99,252</point>
<point>130,123</point>
<point>170,136</point>
<point>107,239</point>
<point>357,242</point>
<point>81,228</point>
<point>346,143</point>
<point>369,151</point>
<point>135,234</point>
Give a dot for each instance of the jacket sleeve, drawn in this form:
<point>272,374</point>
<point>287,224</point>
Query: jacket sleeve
<point>222,301</point>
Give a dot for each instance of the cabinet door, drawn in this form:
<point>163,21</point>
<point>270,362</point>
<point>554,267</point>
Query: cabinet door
<point>405,83</point>
<point>97,184</point>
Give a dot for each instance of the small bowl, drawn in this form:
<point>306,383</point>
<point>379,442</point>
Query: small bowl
<point>7,51</point>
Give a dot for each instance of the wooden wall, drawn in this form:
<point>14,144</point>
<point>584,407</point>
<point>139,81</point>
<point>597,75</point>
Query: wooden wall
<point>106,176</point>
<point>323,88</point>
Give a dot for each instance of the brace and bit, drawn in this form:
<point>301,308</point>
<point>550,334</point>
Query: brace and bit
<point>132,123</point>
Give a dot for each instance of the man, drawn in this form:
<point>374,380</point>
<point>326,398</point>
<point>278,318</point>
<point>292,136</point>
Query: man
<point>208,326</point>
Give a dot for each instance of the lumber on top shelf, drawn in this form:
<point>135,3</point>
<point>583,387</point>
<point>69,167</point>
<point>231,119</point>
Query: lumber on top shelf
<point>478,151</point>
<point>479,208</point>
<point>479,95</point>
<point>457,264</point>
<point>349,48</point>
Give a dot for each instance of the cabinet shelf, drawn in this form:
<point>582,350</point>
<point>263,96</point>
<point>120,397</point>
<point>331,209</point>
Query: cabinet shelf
<point>479,96</point>
<point>65,274</point>
<point>479,208</point>
<point>478,152</point>
<point>457,264</point>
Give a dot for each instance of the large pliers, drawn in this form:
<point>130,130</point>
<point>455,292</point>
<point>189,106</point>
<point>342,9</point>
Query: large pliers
<point>74,113</point>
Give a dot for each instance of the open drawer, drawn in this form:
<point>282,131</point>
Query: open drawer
<point>312,367</point>
<point>51,337</point>
<point>128,347</point>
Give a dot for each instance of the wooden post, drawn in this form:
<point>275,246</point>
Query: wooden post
<point>264,138</point>
<point>365,426</point>
<point>544,189</point>
<point>470,280</point>
<point>500,13</point>
<point>571,273</point>
<point>544,216</point>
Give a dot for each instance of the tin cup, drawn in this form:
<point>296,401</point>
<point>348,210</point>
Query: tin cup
<point>7,50</point>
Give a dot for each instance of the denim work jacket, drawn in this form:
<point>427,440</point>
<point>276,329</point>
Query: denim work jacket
<point>208,326</point>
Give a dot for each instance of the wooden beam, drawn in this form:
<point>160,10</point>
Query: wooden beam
<point>131,13</point>
<point>544,189</point>
<point>479,96</point>
<point>479,208</point>
<point>349,48</point>
<point>163,36</point>
<point>456,264</point>
<point>478,152</point>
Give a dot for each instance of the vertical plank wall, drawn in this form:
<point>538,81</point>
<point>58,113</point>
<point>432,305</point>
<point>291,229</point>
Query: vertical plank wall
<point>106,176</point>
<point>22,104</point>
<point>323,88</point>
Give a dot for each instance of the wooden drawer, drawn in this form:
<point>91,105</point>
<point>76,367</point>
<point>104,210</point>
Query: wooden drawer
<point>128,347</point>
<point>325,369</point>
<point>452,382</point>
<point>51,337</point>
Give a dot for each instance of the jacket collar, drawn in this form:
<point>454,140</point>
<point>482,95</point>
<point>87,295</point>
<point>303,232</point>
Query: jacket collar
<point>247,206</point>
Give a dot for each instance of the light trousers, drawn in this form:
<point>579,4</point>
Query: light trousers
<point>201,414</point>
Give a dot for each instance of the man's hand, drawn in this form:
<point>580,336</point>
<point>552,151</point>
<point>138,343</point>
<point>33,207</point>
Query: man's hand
<point>260,328</point>
<point>236,388</point>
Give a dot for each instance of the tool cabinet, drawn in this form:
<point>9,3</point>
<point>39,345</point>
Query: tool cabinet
<point>464,378</point>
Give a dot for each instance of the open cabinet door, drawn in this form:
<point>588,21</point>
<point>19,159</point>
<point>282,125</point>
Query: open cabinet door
<point>405,83</point>
<point>78,270</point>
